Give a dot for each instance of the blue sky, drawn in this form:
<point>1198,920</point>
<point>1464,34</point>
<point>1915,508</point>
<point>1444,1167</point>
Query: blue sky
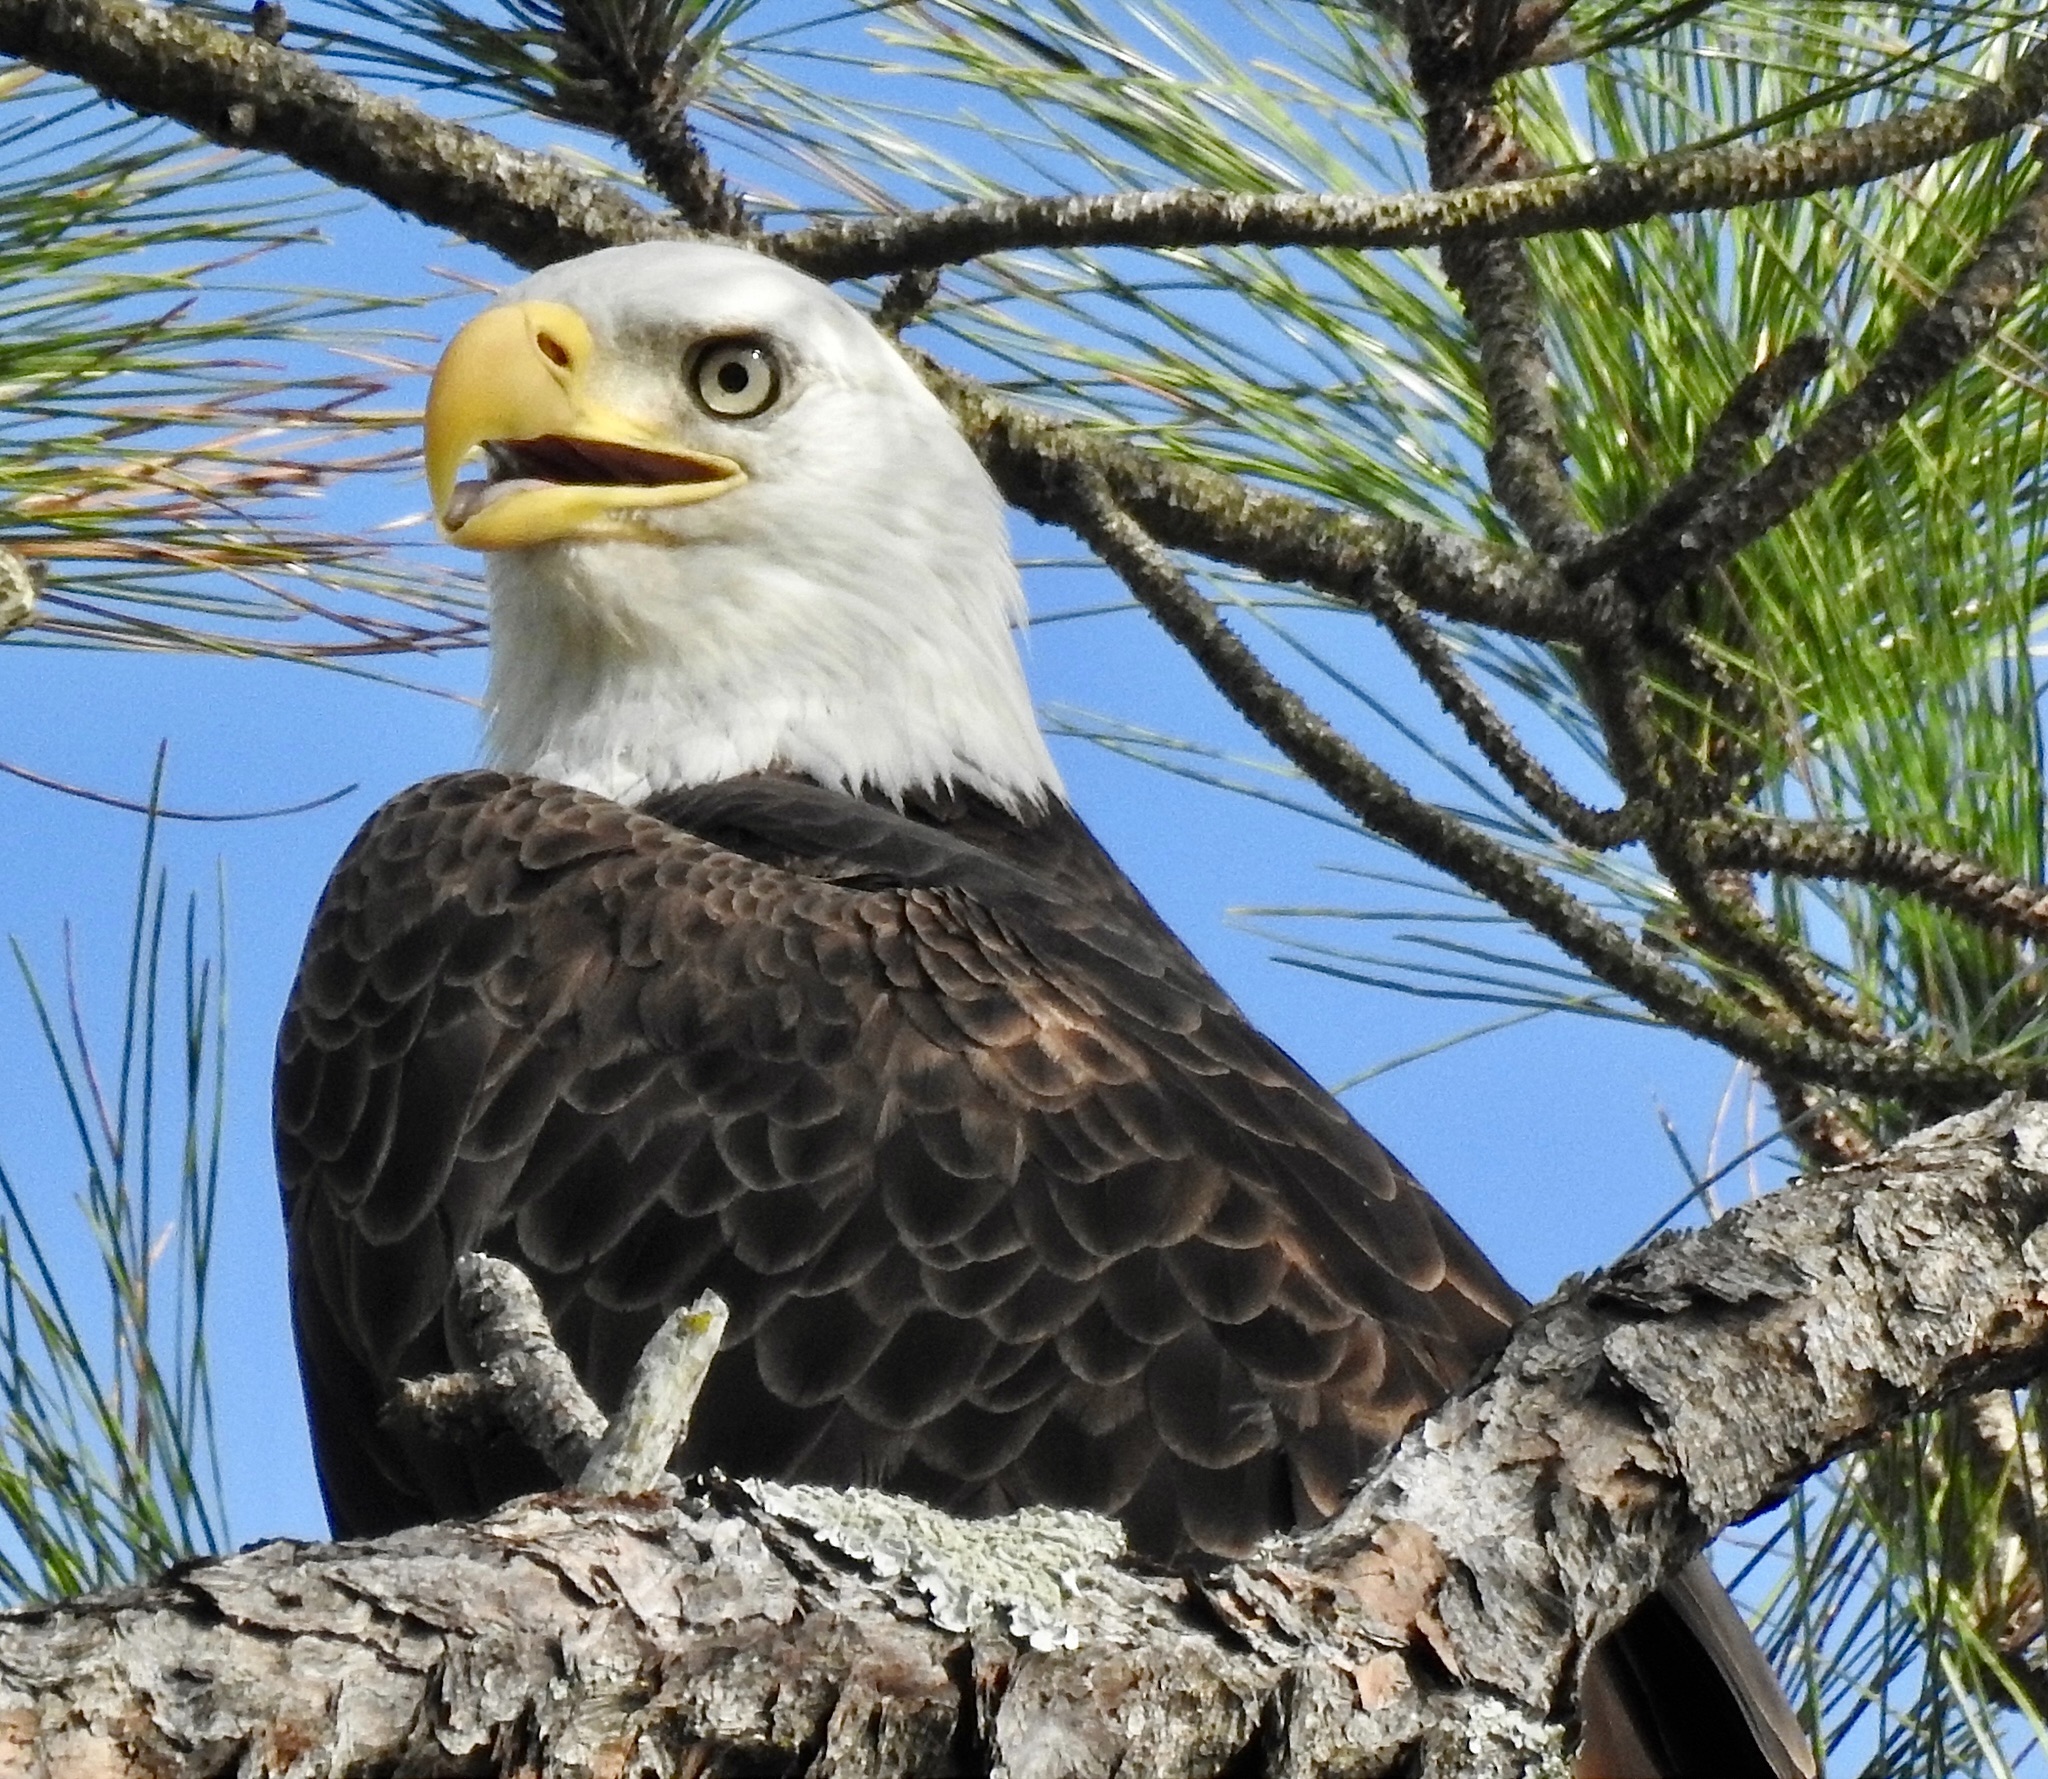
<point>1544,1141</point>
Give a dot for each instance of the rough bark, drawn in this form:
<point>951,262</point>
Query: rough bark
<point>1435,1627</point>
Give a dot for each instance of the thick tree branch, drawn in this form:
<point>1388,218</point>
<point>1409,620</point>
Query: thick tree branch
<point>1434,1628</point>
<point>1712,1370</point>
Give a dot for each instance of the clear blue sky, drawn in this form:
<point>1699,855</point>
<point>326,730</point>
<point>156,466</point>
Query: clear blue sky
<point>1543,1140</point>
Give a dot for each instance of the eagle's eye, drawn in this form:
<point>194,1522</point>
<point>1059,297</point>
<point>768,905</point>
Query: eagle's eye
<point>735,378</point>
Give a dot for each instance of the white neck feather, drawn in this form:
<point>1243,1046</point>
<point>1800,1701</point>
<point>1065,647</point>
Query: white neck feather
<point>629,669</point>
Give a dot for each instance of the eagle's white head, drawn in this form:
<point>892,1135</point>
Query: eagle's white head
<point>729,530</point>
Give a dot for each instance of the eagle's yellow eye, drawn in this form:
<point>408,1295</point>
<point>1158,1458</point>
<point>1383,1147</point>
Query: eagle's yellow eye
<point>735,379</point>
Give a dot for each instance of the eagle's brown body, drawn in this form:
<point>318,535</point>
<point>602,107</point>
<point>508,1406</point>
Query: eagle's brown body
<point>1009,1203</point>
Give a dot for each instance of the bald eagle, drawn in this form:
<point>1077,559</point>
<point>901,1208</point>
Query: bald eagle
<point>767,956</point>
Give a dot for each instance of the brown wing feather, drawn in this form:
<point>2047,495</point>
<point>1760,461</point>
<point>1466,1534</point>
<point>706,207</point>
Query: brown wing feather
<point>1010,1204</point>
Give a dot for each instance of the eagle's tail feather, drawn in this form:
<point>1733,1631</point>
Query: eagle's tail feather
<point>1682,1692</point>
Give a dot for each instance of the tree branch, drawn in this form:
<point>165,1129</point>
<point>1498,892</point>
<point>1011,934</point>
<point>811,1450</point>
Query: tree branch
<point>1964,886</point>
<point>655,1412</point>
<point>1283,537</point>
<point>1462,700</point>
<point>1459,51</point>
<point>1610,196</point>
<point>1434,1628</point>
<point>1717,465</point>
<point>521,1379</point>
<point>1525,458</point>
<point>535,210</point>
<point>644,59</point>
<point>1714,1369</point>
<point>1506,878</point>
<point>1927,349</point>
<point>243,92</point>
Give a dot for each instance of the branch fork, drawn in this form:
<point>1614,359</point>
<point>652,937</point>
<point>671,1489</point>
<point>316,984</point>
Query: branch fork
<point>521,1380</point>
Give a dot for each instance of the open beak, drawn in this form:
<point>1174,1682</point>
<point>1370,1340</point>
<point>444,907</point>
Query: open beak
<point>513,386</point>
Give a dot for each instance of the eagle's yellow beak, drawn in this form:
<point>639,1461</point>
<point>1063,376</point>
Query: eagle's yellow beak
<point>513,385</point>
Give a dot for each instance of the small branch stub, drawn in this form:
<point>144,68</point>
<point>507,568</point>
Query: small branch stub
<point>633,1455</point>
<point>520,1379</point>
